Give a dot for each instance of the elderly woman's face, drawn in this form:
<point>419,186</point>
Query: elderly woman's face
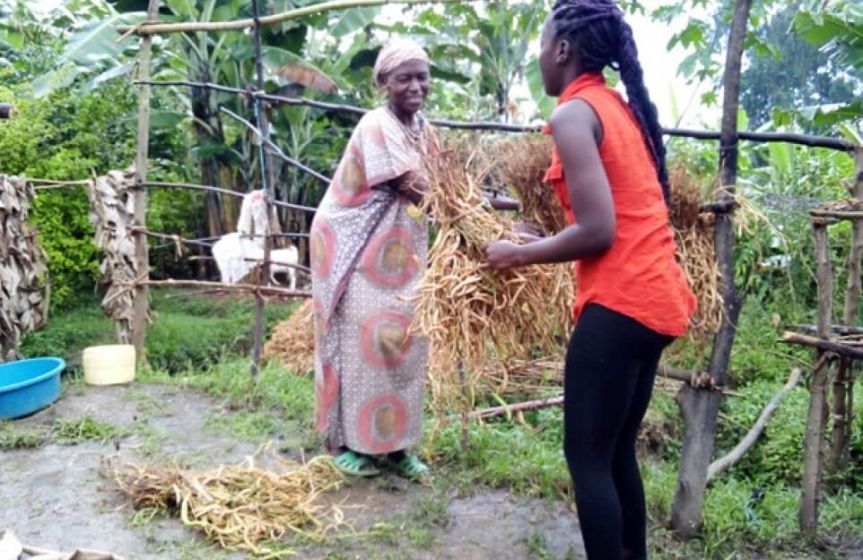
<point>408,86</point>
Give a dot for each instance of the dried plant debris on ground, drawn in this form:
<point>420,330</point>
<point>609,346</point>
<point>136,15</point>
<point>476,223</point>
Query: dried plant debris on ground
<point>241,507</point>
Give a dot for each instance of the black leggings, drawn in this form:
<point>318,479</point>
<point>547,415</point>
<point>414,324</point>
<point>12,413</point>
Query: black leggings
<point>610,367</point>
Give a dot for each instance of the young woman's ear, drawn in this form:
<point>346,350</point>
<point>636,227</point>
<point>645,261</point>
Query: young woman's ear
<point>562,52</point>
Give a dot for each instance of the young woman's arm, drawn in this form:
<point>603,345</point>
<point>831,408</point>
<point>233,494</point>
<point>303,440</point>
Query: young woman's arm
<point>577,134</point>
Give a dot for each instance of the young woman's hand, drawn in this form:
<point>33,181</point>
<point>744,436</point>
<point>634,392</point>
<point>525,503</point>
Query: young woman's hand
<point>501,255</point>
<point>525,227</point>
<point>527,233</point>
<point>526,238</point>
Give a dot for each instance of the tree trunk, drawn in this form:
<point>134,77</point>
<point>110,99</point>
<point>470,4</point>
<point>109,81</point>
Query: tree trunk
<point>221,213</point>
<point>843,386</point>
<point>816,420</point>
<point>700,408</point>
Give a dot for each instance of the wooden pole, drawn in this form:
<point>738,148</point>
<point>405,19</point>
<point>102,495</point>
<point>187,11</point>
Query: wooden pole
<point>248,288</point>
<point>815,422</point>
<point>517,407</point>
<point>146,29</point>
<point>7,110</point>
<point>465,433</point>
<point>700,408</point>
<point>843,386</point>
<point>838,329</point>
<point>142,257</point>
<point>227,192</point>
<point>838,215</point>
<point>273,148</point>
<point>824,345</point>
<point>733,456</point>
<point>790,138</point>
<point>266,164</point>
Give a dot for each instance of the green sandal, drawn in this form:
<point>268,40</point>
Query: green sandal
<point>410,467</point>
<point>355,464</point>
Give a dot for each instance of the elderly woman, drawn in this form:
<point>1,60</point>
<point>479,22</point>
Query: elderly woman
<point>367,257</point>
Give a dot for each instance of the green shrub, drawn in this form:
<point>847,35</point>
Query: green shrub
<point>68,135</point>
<point>187,332</point>
<point>68,332</point>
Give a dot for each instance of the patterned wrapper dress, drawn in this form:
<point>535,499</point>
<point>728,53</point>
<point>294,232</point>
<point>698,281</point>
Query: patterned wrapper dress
<point>367,257</point>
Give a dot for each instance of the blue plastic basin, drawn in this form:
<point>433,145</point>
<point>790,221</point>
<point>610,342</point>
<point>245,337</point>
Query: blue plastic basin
<point>29,385</point>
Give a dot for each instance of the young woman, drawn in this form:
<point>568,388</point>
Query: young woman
<point>608,170</point>
<point>367,256</point>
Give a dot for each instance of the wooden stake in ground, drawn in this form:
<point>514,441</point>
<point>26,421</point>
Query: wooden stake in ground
<point>843,387</point>
<point>700,408</point>
<point>752,435</point>
<point>267,180</point>
<point>142,255</point>
<point>816,419</point>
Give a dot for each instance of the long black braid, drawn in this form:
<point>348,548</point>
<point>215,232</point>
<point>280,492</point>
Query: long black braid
<point>597,29</point>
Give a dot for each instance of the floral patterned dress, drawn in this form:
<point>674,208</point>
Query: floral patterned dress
<point>367,257</point>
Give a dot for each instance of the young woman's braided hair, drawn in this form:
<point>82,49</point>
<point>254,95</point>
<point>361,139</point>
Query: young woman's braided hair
<point>597,29</point>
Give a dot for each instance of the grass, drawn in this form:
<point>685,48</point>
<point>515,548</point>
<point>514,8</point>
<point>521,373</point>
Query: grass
<point>537,547</point>
<point>63,432</point>
<point>71,432</point>
<point>151,439</point>
<point>750,510</point>
<point>14,438</point>
<point>278,403</point>
<point>526,458</point>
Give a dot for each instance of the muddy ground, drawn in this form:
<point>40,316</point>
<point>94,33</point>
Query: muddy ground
<point>53,496</point>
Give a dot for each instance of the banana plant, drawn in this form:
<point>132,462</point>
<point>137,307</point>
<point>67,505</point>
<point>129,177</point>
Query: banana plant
<point>480,54</point>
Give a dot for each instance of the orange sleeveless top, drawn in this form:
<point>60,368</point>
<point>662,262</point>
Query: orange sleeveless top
<point>639,275</point>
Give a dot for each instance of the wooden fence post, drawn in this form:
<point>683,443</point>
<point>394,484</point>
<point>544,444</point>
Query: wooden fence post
<point>843,385</point>
<point>267,181</point>
<point>816,419</point>
<point>700,408</point>
<point>142,257</point>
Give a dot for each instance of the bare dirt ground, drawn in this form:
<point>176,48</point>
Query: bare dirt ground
<point>53,496</point>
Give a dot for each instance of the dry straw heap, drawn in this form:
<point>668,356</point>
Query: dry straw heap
<point>112,213</point>
<point>520,163</point>
<point>241,507</point>
<point>470,313</point>
<point>693,230</point>
<point>487,328</point>
<point>23,270</point>
<point>293,340</point>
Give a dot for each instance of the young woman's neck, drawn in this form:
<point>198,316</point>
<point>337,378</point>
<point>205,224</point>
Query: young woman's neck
<point>571,72</point>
